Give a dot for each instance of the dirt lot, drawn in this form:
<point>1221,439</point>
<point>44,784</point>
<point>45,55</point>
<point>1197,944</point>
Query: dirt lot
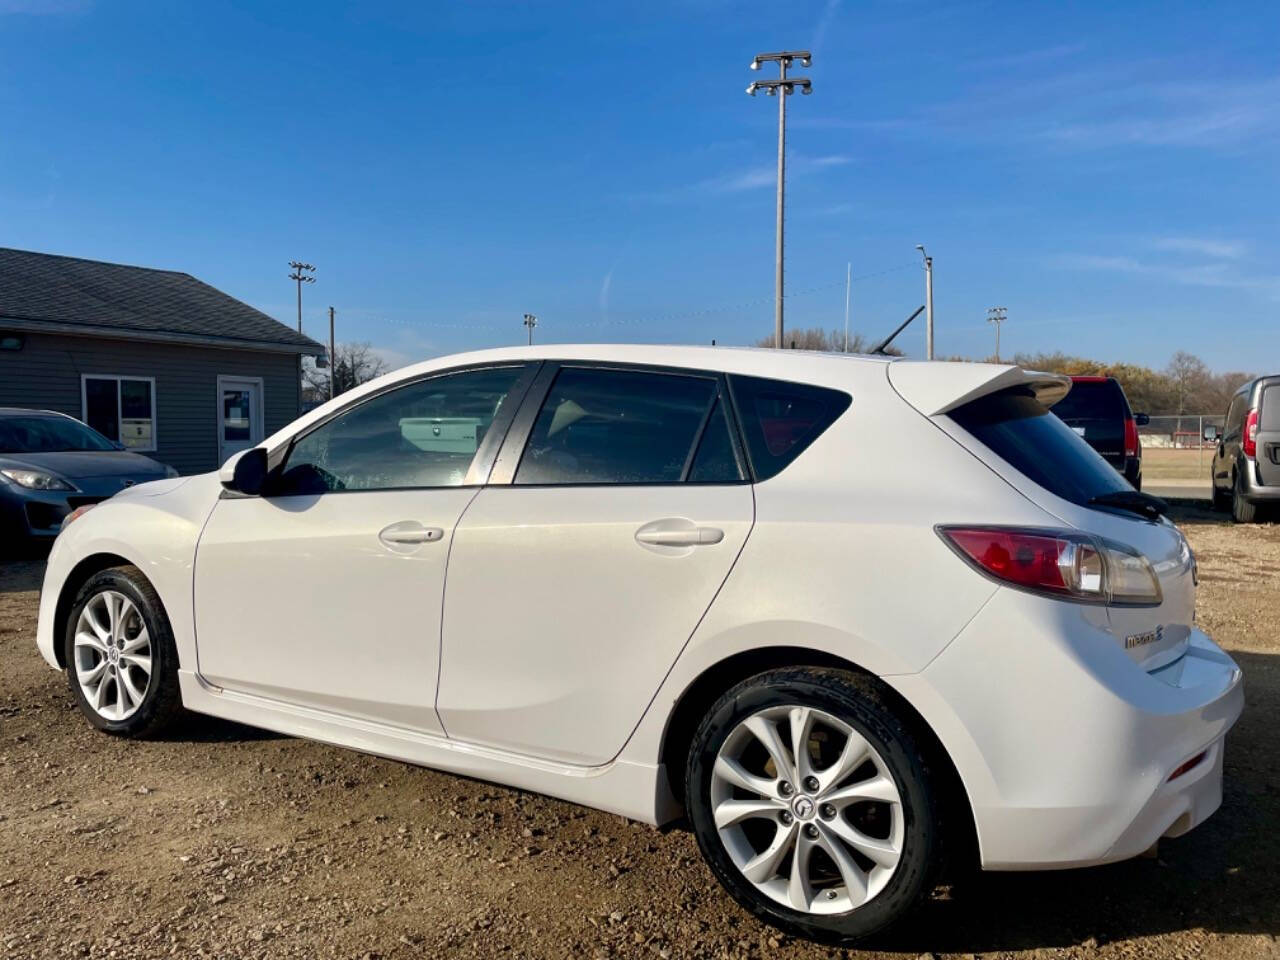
<point>227,842</point>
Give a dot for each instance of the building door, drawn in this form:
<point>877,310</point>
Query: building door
<point>239,415</point>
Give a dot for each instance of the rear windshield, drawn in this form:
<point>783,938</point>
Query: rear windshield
<point>1093,399</point>
<point>1019,429</point>
<point>1270,409</point>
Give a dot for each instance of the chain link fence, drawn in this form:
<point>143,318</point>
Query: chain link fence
<point>1175,454</point>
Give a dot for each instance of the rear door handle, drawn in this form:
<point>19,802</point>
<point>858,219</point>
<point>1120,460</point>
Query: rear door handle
<point>409,533</point>
<point>678,533</point>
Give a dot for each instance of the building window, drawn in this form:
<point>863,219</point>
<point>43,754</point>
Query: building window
<point>121,409</point>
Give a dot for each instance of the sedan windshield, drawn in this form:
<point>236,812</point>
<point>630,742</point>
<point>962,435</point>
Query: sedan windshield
<point>48,435</point>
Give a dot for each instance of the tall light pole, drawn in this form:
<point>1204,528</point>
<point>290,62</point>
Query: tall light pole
<point>928,302</point>
<point>997,316</point>
<point>848,282</point>
<point>781,88</point>
<point>333,357</point>
<point>530,321</point>
<point>301,277</point>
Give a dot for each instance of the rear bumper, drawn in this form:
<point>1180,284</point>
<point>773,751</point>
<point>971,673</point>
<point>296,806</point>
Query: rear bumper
<point>1065,746</point>
<point>1252,487</point>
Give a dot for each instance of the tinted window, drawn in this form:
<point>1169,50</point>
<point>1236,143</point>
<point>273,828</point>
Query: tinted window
<point>1019,429</point>
<point>1269,418</point>
<point>715,461</point>
<point>425,434</point>
<point>101,407</point>
<point>615,426</point>
<point>781,419</point>
<point>1093,399</point>
<point>48,435</point>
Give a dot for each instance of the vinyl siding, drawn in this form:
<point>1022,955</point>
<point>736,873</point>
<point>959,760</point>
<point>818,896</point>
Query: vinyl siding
<point>46,372</point>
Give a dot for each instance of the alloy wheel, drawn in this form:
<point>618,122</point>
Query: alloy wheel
<point>807,810</point>
<point>112,655</point>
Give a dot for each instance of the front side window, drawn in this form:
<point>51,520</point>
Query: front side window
<point>122,409</point>
<point>616,426</point>
<point>425,434</point>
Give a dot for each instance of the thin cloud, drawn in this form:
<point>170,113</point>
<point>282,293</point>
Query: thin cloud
<point>1216,275</point>
<point>1200,246</point>
<point>824,23</point>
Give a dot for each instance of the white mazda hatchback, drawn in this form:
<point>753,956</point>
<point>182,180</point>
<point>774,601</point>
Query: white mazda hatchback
<point>851,617</point>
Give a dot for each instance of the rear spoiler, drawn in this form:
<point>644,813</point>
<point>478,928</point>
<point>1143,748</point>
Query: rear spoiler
<point>939,387</point>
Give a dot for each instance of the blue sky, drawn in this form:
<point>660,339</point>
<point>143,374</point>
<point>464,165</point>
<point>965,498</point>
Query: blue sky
<point>1106,171</point>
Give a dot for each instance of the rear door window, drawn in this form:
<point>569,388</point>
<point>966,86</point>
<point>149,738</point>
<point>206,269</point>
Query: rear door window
<point>600,426</point>
<point>1269,418</point>
<point>1093,399</point>
<point>1019,429</point>
<point>781,419</point>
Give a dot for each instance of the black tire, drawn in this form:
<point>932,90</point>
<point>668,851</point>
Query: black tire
<point>1242,511</point>
<point>860,702</point>
<point>162,701</point>
<point>1221,499</point>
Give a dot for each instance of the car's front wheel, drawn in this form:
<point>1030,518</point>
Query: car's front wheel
<point>812,802</point>
<point>122,663</point>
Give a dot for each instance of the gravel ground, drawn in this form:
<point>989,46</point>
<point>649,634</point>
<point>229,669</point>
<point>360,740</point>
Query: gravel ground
<point>228,842</point>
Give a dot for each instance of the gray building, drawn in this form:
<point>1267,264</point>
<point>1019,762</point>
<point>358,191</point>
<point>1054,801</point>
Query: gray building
<point>155,359</point>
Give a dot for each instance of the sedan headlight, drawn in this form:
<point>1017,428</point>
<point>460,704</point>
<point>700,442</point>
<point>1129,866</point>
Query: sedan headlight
<point>36,479</point>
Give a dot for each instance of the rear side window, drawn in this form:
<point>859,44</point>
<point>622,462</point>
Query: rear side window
<point>1093,400</point>
<point>780,419</point>
<point>616,426</point>
<point>1018,428</point>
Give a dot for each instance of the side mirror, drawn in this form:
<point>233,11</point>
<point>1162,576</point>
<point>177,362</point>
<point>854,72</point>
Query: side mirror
<point>1211,433</point>
<point>1141,419</point>
<point>246,472</point>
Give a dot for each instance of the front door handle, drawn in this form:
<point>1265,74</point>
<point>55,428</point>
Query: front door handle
<point>408,533</point>
<point>678,533</point>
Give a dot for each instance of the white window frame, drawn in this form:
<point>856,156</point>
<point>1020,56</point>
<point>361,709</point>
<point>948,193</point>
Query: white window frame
<point>117,377</point>
<point>259,415</point>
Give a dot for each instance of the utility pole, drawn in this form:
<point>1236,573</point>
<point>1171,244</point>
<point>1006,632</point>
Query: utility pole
<point>997,316</point>
<point>298,275</point>
<point>781,88</point>
<point>530,321</point>
<point>848,282</point>
<point>333,366</point>
<point>928,302</point>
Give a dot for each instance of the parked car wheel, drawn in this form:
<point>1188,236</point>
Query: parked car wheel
<point>121,660</point>
<point>811,801</point>
<point>1221,498</point>
<point>1242,511</point>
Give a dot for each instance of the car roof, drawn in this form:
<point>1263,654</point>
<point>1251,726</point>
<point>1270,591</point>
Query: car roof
<point>31,412</point>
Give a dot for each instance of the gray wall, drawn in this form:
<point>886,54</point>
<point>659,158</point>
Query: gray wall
<point>45,373</point>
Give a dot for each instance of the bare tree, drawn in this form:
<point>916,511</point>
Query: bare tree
<point>831,341</point>
<point>351,365</point>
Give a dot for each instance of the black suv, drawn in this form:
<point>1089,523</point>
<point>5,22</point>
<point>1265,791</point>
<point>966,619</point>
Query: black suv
<point>1097,409</point>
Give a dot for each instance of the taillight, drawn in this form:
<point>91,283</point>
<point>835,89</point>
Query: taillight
<point>1250,441</point>
<point>1062,563</point>
<point>1130,437</point>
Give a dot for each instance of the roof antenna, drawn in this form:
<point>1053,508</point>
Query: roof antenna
<point>879,347</point>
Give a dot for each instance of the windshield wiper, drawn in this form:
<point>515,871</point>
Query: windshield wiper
<point>1141,503</point>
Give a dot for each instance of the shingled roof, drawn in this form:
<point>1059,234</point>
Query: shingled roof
<point>42,291</point>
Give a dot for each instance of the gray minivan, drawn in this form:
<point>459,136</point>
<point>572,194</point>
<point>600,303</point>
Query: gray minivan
<point>1246,466</point>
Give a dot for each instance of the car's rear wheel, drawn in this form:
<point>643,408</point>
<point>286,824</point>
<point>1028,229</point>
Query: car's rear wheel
<point>1242,511</point>
<point>812,803</point>
<point>122,663</point>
